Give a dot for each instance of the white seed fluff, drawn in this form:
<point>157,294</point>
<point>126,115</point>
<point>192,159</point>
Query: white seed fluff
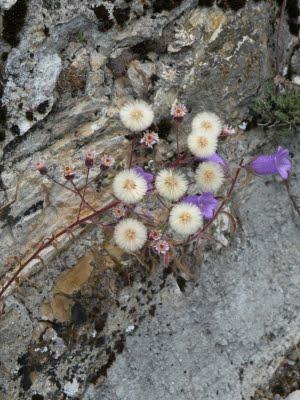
<point>209,176</point>
<point>137,115</point>
<point>202,144</point>
<point>129,186</point>
<point>185,219</point>
<point>170,184</point>
<point>207,122</point>
<point>130,234</point>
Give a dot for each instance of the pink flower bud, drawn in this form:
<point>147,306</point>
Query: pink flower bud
<point>41,167</point>
<point>89,159</point>
<point>178,112</point>
<point>69,173</point>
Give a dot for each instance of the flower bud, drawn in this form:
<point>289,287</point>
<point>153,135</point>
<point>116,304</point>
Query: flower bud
<point>41,167</point>
<point>178,112</point>
<point>89,159</point>
<point>155,235</point>
<point>69,173</point>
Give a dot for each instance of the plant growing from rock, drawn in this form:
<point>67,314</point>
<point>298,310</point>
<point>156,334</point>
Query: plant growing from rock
<point>279,110</point>
<point>158,209</point>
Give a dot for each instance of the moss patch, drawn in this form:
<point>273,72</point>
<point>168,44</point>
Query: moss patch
<point>278,110</point>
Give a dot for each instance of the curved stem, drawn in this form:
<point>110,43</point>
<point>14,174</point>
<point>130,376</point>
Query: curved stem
<point>226,198</point>
<point>132,151</point>
<point>83,195</point>
<point>50,241</point>
<point>292,196</point>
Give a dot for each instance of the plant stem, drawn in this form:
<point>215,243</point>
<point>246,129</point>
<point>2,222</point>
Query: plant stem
<point>226,198</point>
<point>49,242</point>
<point>291,196</point>
<point>132,151</point>
<point>178,125</point>
<point>60,184</point>
<point>84,190</point>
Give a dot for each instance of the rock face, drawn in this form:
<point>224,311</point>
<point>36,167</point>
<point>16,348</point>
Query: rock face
<point>67,67</point>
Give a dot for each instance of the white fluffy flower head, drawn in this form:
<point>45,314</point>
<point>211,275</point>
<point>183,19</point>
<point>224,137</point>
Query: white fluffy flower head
<point>207,122</point>
<point>202,144</point>
<point>185,219</point>
<point>130,234</point>
<point>137,115</point>
<point>170,184</point>
<point>129,186</point>
<point>209,176</point>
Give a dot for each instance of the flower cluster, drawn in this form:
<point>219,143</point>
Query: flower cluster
<point>165,194</point>
<point>165,205</point>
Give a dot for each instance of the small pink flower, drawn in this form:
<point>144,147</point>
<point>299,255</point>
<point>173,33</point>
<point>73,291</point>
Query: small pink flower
<point>228,130</point>
<point>119,211</point>
<point>106,161</point>
<point>150,139</point>
<point>155,235</point>
<point>178,111</point>
<point>161,246</point>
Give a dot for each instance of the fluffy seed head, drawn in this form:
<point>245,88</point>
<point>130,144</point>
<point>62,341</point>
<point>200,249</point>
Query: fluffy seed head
<point>170,184</point>
<point>209,176</point>
<point>185,219</point>
<point>130,234</point>
<point>137,116</point>
<point>202,144</point>
<point>129,186</point>
<point>207,122</point>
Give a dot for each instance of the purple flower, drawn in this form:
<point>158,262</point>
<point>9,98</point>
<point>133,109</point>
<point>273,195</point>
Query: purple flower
<point>277,163</point>
<point>214,158</point>
<point>146,175</point>
<point>206,202</point>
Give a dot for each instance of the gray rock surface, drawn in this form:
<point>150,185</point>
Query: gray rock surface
<point>294,396</point>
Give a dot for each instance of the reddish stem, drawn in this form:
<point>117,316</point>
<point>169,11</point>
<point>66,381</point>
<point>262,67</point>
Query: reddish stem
<point>77,191</point>
<point>132,151</point>
<point>177,124</point>
<point>60,184</point>
<point>83,195</point>
<point>291,196</point>
<point>52,240</point>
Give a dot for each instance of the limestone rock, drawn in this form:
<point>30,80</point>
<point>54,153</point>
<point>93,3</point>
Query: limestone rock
<point>80,317</point>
